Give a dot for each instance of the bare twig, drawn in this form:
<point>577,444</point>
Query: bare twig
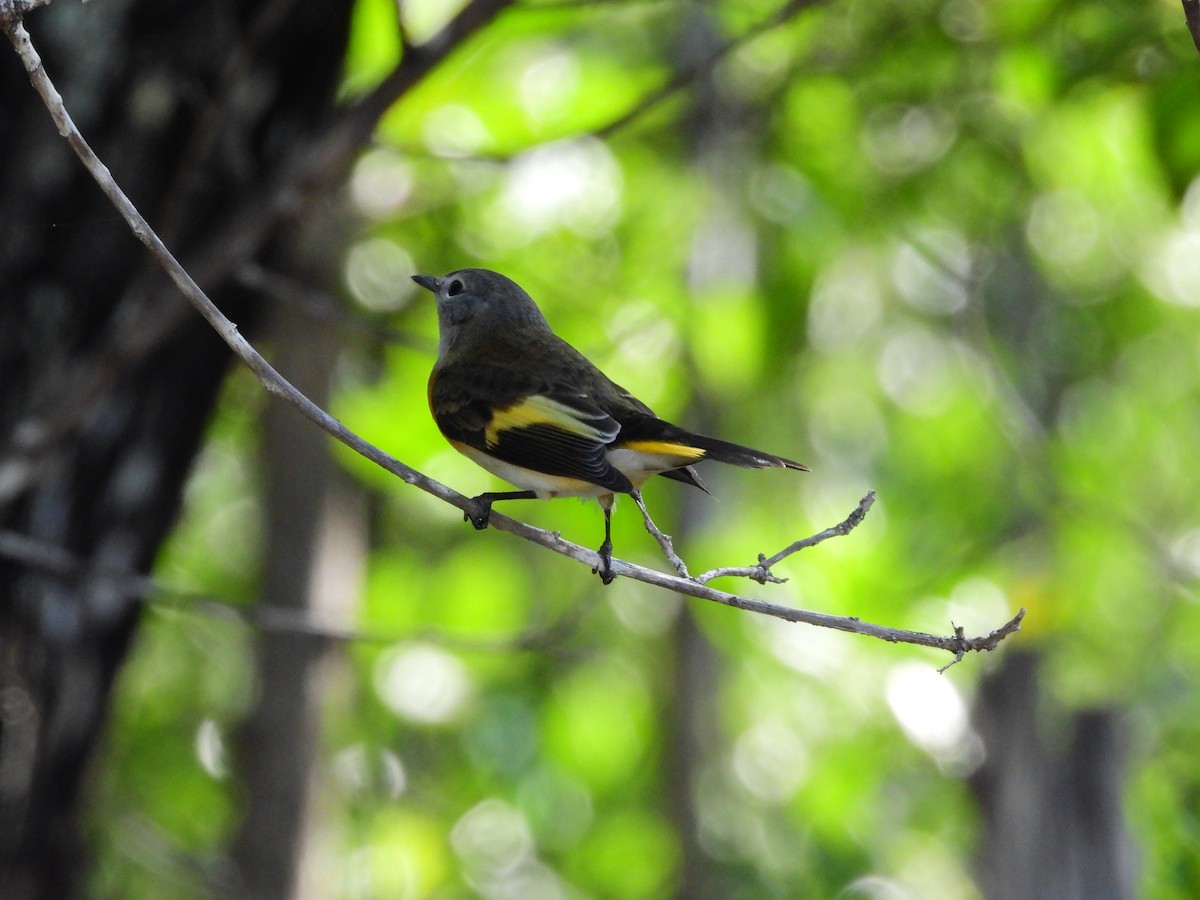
<point>334,149</point>
<point>1019,422</point>
<point>325,308</point>
<point>58,562</point>
<point>664,540</point>
<point>278,385</point>
<point>206,132</point>
<point>1191,12</point>
<point>78,391</point>
<point>958,655</point>
<point>684,77</point>
<point>676,83</point>
<point>761,571</point>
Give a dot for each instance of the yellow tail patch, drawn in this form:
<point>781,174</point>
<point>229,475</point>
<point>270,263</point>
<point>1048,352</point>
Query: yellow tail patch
<point>665,448</point>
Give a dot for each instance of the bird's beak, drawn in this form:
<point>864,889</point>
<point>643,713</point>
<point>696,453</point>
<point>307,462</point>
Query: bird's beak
<point>428,282</point>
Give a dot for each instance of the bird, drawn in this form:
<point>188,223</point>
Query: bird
<point>518,400</point>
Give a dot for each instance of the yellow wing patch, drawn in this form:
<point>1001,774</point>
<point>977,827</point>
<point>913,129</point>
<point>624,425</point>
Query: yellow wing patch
<point>665,448</point>
<point>540,410</point>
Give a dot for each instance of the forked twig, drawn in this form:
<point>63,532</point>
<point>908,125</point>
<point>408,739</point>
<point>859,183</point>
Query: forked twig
<point>761,571</point>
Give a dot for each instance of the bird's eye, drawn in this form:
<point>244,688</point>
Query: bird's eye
<point>456,288</point>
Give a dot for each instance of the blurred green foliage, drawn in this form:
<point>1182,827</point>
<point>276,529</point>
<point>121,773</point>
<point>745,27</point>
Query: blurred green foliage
<point>946,250</point>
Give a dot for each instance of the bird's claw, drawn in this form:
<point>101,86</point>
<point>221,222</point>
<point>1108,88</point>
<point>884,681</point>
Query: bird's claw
<point>605,569</point>
<point>481,516</point>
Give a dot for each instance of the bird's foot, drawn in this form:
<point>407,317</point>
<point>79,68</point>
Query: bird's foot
<point>605,569</point>
<point>482,513</point>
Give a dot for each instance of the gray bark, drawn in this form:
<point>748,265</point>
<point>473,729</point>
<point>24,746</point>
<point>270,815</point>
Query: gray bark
<point>1049,794</point>
<point>106,380</point>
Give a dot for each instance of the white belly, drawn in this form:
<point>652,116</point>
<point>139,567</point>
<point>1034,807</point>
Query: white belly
<point>545,486</point>
<point>637,465</point>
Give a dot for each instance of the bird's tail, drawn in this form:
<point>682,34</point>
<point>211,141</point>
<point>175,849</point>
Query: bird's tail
<point>737,455</point>
<point>649,431</point>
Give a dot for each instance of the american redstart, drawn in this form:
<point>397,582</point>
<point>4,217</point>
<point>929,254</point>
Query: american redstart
<point>511,395</point>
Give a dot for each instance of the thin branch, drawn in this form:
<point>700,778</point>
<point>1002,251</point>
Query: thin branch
<point>704,65</point>
<point>664,540</point>
<point>278,385</point>
<point>325,308</point>
<point>1019,421</point>
<point>761,572</point>
<point>1191,12</point>
<point>76,392</point>
<point>206,131</point>
<point>958,656</point>
<point>332,151</point>
<point>62,563</point>
<point>678,82</point>
<point>58,562</point>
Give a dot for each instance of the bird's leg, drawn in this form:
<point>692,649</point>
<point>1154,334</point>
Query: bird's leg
<point>604,570</point>
<point>484,503</point>
<point>664,540</point>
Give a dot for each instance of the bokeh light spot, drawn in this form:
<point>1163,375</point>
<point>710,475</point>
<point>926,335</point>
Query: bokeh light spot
<point>422,683</point>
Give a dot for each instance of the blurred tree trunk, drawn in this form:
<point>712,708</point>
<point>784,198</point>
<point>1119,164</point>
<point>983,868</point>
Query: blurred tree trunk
<point>714,126</point>
<point>106,379</point>
<point>278,740</point>
<point>1049,794</point>
<point>692,734</point>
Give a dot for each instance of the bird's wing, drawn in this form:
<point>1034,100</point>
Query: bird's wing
<point>546,428</point>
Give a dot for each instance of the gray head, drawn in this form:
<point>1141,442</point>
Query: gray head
<point>476,302</point>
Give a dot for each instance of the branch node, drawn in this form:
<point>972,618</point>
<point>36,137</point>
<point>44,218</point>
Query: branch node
<point>761,571</point>
<point>960,644</point>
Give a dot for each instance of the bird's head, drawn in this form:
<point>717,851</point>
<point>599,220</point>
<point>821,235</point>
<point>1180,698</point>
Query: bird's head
<point>475,303</point>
